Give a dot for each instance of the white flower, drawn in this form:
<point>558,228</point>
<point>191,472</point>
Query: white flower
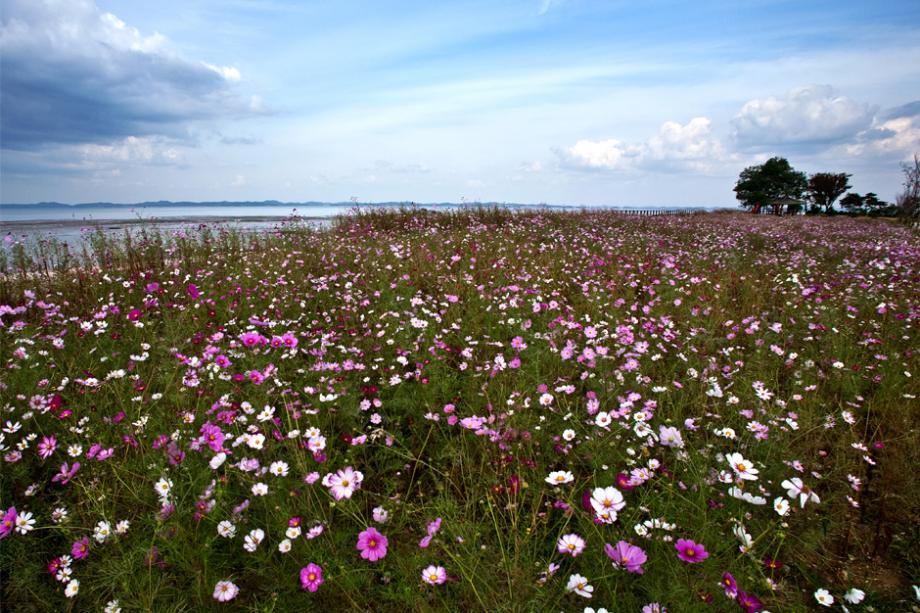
<point>25,523</point>
<point>579,585</point>
<point>824,597</point>
<point>217,460</point>
<point>795,488</point>
<point>568,435</point>
<point>225,590</point>
<point>253,539</point>
<point>560,477</point>
<point>255,441</point>
<point>259,489</point>
<point>284,546</point>
<point>226,529</point>
<point>73,586</point>
<point>606,502</point>
<point>602,419</point>
<point>163,487</point>
<point>112,607</point>
<point>781,506</point>
<point>854,595</point>
<point>279,468</point>
<point>121,528</point>
<point>102,532</point>
<point>292,532</point>
<point>743,468</point>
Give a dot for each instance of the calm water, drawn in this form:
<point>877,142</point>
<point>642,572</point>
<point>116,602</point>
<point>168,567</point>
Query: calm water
<point>27,223</point>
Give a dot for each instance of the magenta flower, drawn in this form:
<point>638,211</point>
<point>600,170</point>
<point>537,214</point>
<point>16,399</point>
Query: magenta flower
<point>690,552</point>
<point>311,577</point>
<point>433,527</point>
<point>372,545</point>
<point>46,447</point>
<point>8,523</point>
<point>749,602</point>
<point>627,556</point>
<point>66,473</point>
<point>730,585</point>
<point>80,549</point>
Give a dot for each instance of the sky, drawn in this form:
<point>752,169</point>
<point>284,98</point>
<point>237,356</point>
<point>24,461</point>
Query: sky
<point>534,101</point>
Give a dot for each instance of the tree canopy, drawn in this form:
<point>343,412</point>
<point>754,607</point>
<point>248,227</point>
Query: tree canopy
<point>825,187</point>
<point>773,183</point>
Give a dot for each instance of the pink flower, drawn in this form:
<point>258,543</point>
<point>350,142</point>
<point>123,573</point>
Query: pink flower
<point>311,577</point>
<point>627,556</point>
<point>343,483</point>
<point>433,527</point>
<point>65,475</point>
<point>434,575</point>
<point>46,447</point>
<point>80,549</point>
<point>689,551</point>
<point>8,523</point>
<point>372,545</point>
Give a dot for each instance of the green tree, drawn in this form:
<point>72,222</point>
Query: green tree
<point>853,202</point>
<point>775,183</point>
<point>825,187</point>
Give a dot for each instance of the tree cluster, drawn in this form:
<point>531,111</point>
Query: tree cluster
<point>776,187</point>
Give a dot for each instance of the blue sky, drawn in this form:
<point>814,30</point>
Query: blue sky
<point>562,101</point>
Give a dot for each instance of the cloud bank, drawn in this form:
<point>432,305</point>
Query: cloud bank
<point>73,74</point>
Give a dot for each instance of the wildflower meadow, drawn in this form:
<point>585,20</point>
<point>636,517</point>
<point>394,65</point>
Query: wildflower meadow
<point>479,410</point>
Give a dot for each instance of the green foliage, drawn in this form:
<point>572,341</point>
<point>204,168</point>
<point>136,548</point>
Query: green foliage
<point>765,185</point>
<point>825,187</point>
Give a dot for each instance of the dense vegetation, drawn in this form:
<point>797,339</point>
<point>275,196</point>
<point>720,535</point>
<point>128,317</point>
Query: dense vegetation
<point>480,410</point>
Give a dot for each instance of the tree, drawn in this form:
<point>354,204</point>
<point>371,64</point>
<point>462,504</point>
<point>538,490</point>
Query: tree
<point>825,187</point>
<point>773,183</point>
<point>908,203</point>
<point>853,202</point>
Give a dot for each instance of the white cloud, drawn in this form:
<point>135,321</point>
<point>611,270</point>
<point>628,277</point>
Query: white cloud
<point>230,73</point>
<point>898,137</point>
<point>814,115</point>
<point>130,149</point>
<point>675,146</point>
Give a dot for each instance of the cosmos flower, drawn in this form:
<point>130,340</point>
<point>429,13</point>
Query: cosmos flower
<point>560,477</point>
<point>795,488</point>
<point>689,551</point>
<point>80,549</point>
<point>824,598</point>
<point>626,556</point>
<point>570,544</point>
<point>311,577</point>
<point>606,502</point>
<point>8,523</point>
<point>372,545</point>
<point>225,591</point>
<point>343,483</point>
<point>434,575</point>
<point>743,468</point>
<point>579,585</point>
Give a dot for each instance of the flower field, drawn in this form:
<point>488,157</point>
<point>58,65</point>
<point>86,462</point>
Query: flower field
<point>477,410</point>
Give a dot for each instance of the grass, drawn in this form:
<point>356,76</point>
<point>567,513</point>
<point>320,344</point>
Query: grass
<point>456,360</point>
